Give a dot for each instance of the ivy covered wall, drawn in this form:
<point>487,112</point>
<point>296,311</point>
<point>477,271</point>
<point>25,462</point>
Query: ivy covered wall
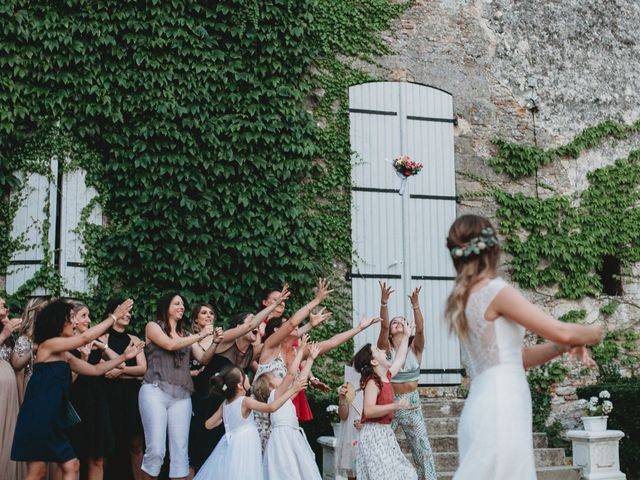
<point>216,134</point>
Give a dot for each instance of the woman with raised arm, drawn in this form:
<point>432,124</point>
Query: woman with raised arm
<point>378,455</point>
<point>405,382</point>
<point>490,318</point>
<point>122,387</point>
<point>165,395</point>
<point>46,412</point>
<point>92,439</point>
<point>9,398</point>
<point>276,317</point>
<point>236,348</point>
<point>23,354</point>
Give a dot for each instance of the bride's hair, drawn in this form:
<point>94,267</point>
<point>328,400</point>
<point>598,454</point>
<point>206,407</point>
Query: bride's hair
<point>474,253</point>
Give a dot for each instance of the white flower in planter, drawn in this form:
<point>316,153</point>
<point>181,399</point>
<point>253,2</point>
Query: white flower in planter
<point>607,406</point>
<point>605,394</point>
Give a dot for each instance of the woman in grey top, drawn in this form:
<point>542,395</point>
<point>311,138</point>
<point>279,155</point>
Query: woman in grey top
<point>165,396</point>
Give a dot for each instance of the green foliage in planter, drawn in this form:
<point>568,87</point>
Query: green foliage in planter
<point>625,416</point>
<point>218,134</point>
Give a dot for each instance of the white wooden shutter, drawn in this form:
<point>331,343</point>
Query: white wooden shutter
<point>43,198</point>
<point>401,239</point>
<point>76,196</point>
<point>38,203</point>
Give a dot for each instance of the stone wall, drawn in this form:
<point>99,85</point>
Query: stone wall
<point>580,57</point>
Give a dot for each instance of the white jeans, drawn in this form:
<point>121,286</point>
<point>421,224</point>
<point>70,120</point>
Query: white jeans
<point>160,410</point>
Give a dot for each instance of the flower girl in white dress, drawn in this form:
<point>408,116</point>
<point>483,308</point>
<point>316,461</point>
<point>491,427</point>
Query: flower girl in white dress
<point>489,316</point>
<point>287,455</point>
<point>238,456</point>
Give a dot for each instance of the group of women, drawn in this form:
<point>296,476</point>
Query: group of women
<point>98,402</point>
<point>75,395</point>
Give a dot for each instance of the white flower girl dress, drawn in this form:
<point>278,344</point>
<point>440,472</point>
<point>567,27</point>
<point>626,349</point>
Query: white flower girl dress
<point>288,455</point>
<point>238,455</point>
<point>495,438</point>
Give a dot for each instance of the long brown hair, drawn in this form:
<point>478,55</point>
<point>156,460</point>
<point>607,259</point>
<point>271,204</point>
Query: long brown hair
<point>470,268</point>
<point>195,328</point>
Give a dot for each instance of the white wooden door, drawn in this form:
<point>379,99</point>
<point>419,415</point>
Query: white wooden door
<point>401,239</point>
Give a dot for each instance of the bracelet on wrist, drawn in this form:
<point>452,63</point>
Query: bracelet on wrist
<point>417,307</point>
<point>113,317</point>
<point>383,304</point>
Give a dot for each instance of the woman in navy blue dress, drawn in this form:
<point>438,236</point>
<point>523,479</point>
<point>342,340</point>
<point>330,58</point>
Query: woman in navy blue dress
<point>40,434</point>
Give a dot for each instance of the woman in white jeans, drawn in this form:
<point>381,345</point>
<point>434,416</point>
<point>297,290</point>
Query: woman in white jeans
<point>165,395</point>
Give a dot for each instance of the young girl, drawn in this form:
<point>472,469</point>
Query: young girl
<point>490,317</point>
<point>350,398</point>
<point>405,383</point>
<point>378,455</point>
<point>288,455</point>
<point>238,456</point>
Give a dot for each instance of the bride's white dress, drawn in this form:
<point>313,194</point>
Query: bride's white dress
<point>495,438</point>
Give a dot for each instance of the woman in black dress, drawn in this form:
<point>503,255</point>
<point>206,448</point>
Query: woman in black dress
<point>92,439</point>
<point>40,435</point>
<point>122,387</point>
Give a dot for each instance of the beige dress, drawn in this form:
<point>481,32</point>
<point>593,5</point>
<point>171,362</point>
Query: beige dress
<point>9,406</point>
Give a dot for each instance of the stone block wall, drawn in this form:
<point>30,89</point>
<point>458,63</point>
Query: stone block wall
<point>580,57</point>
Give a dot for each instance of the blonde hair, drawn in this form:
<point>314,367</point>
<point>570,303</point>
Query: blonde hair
<point>261,387</point>
<point>31,310</point>
<point>470,269</point>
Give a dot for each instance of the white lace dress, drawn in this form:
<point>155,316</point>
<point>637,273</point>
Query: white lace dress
<point>238,455</point>
<point>495,438</point>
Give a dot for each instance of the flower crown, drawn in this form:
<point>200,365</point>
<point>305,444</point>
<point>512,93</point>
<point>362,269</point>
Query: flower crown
<point>476,245</point>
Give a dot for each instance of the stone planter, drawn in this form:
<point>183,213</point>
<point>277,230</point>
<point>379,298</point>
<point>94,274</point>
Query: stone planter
<point>336,429</point>
<point>595,424</point>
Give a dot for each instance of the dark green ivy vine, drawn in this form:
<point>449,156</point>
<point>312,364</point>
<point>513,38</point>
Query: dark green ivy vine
<point>218,133</point>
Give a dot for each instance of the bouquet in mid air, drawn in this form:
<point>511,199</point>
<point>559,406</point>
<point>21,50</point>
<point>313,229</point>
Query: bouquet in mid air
<point>405,168</point>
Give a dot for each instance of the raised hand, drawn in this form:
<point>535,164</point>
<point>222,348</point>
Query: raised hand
<point>314,350</point>
<point>206,331</point>
<point>284,294</point>
<point>133,350</point>
<point>303,341</point>
<point>299,384</point>
<point>406,331</point>
<point>367,322</point>
<point>317,318</point>
<point>415,297</point>
<point>85,350</point>
<point>323,289</point>
<point>12,325</point>
<point>320,385</point>
<point>385,292</point>
<point>218,334</point>
<point>122,309</point>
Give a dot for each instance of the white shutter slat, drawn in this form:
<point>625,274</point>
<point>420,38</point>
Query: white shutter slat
<point>75,198</point>
<point>29,223</point>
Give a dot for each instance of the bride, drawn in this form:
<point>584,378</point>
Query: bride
<point>490,317</point>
